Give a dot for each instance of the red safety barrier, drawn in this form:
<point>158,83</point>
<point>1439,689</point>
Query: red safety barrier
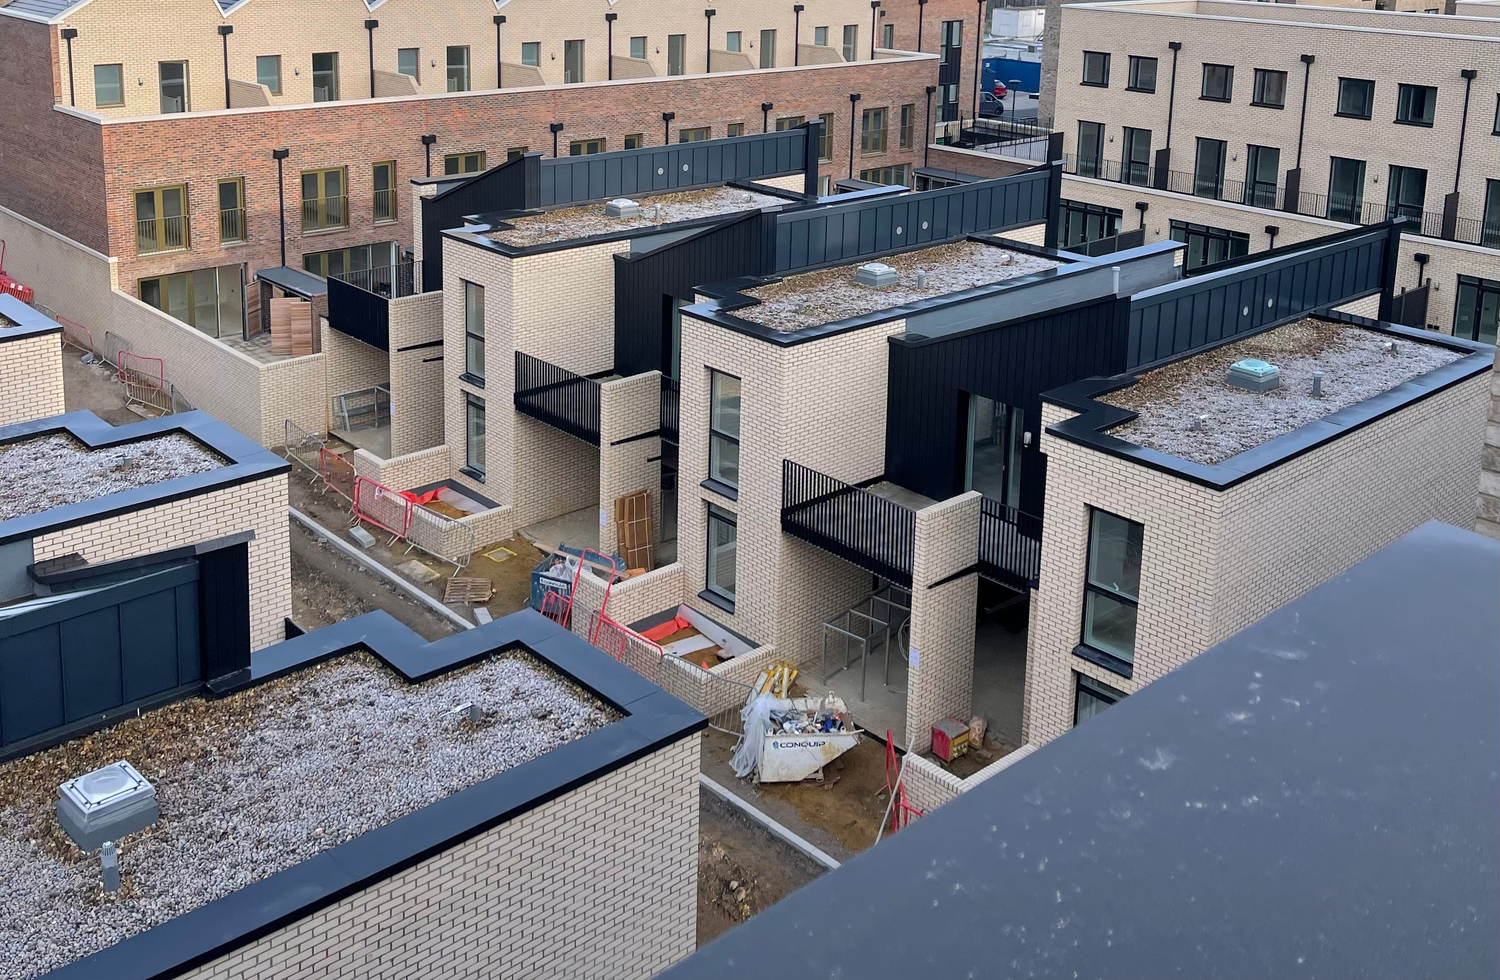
<point>381,506</point>
<point>626,645</point>
<point>8,285</point>
<point>559,608</point>
<point>338,473</point>
<point>76,335</point>
<point>901,811</point>
<point>149,373</point>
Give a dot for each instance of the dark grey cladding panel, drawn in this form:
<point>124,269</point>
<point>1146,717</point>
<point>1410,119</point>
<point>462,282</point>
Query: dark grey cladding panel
<point>1216,307</point>
<point>846,232</point>
<point>655,169</point>
<point>1053,290</point>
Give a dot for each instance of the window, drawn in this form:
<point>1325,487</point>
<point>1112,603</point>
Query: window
<point>825,143</point>
<point>851,41</point>
<point>722,539</point>
<point>531,53</point>
<point>358,258</point>
<point>768,49</point>
<point>1135,165</point>
<point>820,36</point>
<point>1477,313</point>
<point>1208,171</point>
<point>1495,131</point>
<point>1208,246</point>
<point>635,141</point>
<point>172,76</point>
<point>1091,697</point>
<point>463,163</point>
<point>1346,190</point>
<point>474,430</point>
<point>1269,90</point>
<point>1218,83</point>
<point>952,41</point>
<point>325,76</point>
<point>1096,68</point>
<point>109,85</point>
<point>1489,235</point>
<point>789,122</point>
<point>384,181</point>
<point>474,330</point>
<point>458,68</point>
<point>1356,98</point>
<point>583,148</point>
<point>1142,75</point>
<point>887,175</point>
<point>324,199</point>
<point>572,62</point>
<point>1083,223</point>
<point>888,36</point>
<point>638,48</point>
<point>409,62</point>
<point>676,54</point>
<point>735,129</point>
<point>993,459</point>
<point>1112,586</point>
<point>210,300</point>
<point>908,121</point>
<point>161,220</point>
<point>825,185</point>
<point>1406,194</point>
<point>872,131</point>
<point>1262,171</point>
<point>515,153</point>
<point>1416,105</point>
<point>697,135</point>
<point>1090,149</point>
<point>232,210</point>
<point>268,72</point>
<point>732,41</point>
<point>724,429</point>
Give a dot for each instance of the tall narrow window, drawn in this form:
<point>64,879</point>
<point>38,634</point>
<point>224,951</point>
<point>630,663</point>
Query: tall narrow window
<point>1489,235</point>
<point>458,68</point>
<point>638,48</point>
<point>1356,98</point>
<point>174,87</point>
<point>474,330</point>
<point>1346,190</point>
<point>268,72</point>
<point>768,49</point>
<point>1270,89</point>
<point>1262,169</point>
<point>676,54</point>
<point>474,432</point>
<point>1416,105</point>
<point>1112,586</point>
<point>109,85</point>
<point>1142,74</point>
<point>1208,172</point>
<point>531,53</point>
<point>231,210</point>
<point>851,42</point>
<point>1096,68</point>
<point>825,144</point>
<point>820,36</point>
<point>1406,193</point>
<point>1476,316</point>
<point>409,62</point>
<point>723,539</point>
<point>384,178</point>
<point>325,202</point>
<point>908,118</point>
<point>1090,149</point>
<point>161,223</point>
<point>1218,83</point>
<point>572,62</point>
<point>888,36</point>
<point>724,429</point>
<point>996,440</point>
<point>1136,162</point>
<point>872,131</point>
<point>325,76</point>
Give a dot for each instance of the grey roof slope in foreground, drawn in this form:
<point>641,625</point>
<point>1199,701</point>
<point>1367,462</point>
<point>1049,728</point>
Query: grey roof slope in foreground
<point>1316,796</point>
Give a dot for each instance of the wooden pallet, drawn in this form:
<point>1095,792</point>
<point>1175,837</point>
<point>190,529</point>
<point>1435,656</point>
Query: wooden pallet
<point>468,589</point>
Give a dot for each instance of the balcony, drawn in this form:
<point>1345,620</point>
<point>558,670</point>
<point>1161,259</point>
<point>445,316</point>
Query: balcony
<point>325,213</point>
<point>863,528</point>
<point>385,206</point>
<point>359,301</point>
<point>557,397</point>
<point>231,226</point>
<point>1010,545</point>
<point>169,234</point>
<point>671,397</point>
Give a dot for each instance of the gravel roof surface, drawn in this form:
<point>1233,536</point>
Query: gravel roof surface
<point>590,219</point>
<point>39,474</point>
<point>1353,360</point>
<point>830,295</point>
<point>6,321</point>
<point>260,781</point>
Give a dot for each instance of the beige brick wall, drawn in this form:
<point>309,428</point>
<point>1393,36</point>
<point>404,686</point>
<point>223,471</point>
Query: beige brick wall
<point>929,785</point>
<point>940,685</point>
<point>259,506</point>
<point>403,472</point>
<point>351,365</point>
<point>1489,477</point>
<point>416,373</point>
<point>31,378</point>
<point>1212,561</point>
<point>600,882</point>
<point>1030,235</point>
<point>629,407</point>
<point>630,601</point>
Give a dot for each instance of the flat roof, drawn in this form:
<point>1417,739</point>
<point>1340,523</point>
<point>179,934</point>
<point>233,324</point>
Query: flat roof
<point>523,229</point>
<point>1356,364</point>
<point>57,469</point>
<point>1315,796</point>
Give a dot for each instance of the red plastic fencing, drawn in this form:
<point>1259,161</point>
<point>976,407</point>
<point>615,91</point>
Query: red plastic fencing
<point>75,334</point>
<point>901,811</point>
<point>338,472</point>
<point>559,607</point>
<point>626,645</point>
<point>381,506</point>
<point>8,285</point>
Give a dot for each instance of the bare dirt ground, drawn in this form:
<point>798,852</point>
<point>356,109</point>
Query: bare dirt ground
<point>328,588</point>
<point>91,387</point>
<point>742,868</point>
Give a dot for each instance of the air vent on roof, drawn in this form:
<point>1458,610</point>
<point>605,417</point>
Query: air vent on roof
<point>875,274</point>
<point>622,207</point>
<point>106,805</point>
<point>1253,374</point>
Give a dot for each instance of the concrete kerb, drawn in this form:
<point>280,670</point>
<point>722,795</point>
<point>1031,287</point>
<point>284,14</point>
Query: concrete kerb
<point>771,825</point>
<point>379,569</point>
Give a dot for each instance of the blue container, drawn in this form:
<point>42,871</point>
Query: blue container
<point>541,584</point>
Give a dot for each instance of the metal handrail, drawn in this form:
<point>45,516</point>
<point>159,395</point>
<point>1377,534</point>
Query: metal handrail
<point>232,225</point>
<point>320,213</point>
<point>385,204</point>
<point>168,234</point>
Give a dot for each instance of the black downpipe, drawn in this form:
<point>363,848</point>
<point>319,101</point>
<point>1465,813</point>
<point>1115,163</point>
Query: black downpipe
<point>666,128</point>
<point>765,115</point>
<point>921,16</point>
<point>609,51</point>
<point>927,133</point>
<point>797,9</point>
<point>853,101</point>
<point>1176,46</point>
<point>708,43</point>
<point>68,34</point>
<point>280,155</point>
<point>370,26</point>
<point>499,60</point>
<point>874,6</point>
<point>1307,63</point>
<point>1463,127</point>
<point>427,142</point>
<point>556,128</point>
<point>978,62</point>
<point>224,31</point>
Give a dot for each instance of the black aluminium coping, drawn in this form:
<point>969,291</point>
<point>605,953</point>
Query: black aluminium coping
<point>1316,796</point>
<point>1089,427</point>
<point>652,718</point>
<point>248,460</point>
<point>28,322</point>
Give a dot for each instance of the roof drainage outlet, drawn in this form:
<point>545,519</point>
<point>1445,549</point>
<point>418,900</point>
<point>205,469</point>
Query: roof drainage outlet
<point>1253,374</point>
<point>622,207</point>
<point>875,274</point>
<point>105,805</point>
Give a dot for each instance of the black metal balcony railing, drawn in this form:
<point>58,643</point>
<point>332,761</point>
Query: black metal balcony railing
<point>389,281</point>
<point>161,234</point>
<point>231,225</point>
<point>671,398</point>
<point>385,205</point>
<point>1010,545</point>
<point>320,213</point>
<point>557,397</point>
<point>858,526</point>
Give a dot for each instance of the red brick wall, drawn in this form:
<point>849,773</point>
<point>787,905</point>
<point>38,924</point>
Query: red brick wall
<point>51,163</point>
<point>978,164</point>
<point>200,149</point>
<point>907,16</point>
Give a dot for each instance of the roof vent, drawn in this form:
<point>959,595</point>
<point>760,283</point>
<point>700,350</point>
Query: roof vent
<point>622,207</point>
<point>1253,374</point>
<point>105,805</point>
<point>875,274</point>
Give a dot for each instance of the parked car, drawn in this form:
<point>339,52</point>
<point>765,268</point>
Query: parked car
<point>991,106</point>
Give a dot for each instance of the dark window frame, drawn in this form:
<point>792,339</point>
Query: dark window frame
<point>1228,95</point>
<point>1100,692</point>
<point>1402,104</point>
<point>1369,113</point>
<point>712,590</point>
<point>1097,168</point>
<point>1103,81</point>
<point>1104,218</point>
<point>1258,89</point>
<point>1132,74</point>
<point>718,435</point>
<point>1208,233</point>
<point>473,342</point>
<point>1104,658</point>
<point>471,403</point>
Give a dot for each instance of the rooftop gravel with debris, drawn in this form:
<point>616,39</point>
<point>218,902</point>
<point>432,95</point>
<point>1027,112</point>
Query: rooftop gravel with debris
<point>1355,366</point>
<point>830,295</point>
<point>6,321</point>
<point>52,470</point>
<point>590,219</point>
<point>260,781</point>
